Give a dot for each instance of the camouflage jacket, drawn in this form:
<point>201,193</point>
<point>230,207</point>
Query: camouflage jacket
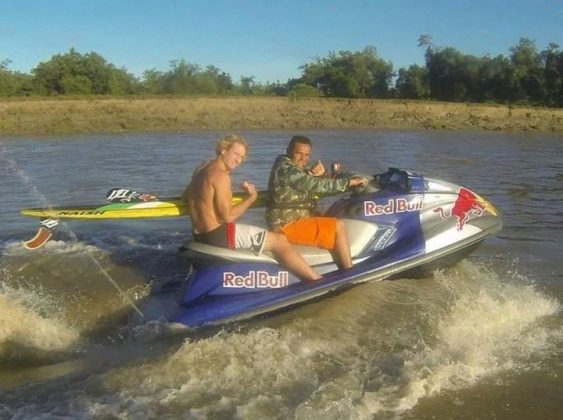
<point>292,192</point>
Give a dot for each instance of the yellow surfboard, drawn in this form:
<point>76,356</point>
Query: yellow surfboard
<point>168,207</point>
<point>152,208</point>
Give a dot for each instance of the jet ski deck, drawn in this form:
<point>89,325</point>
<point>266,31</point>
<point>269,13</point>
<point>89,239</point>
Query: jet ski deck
<point>360,233</point>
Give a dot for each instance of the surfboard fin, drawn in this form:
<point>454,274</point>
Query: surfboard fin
<point>46,229</point>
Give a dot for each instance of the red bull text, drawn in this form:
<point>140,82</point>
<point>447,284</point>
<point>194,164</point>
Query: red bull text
<point>396,205</point>
<point>256,280</point>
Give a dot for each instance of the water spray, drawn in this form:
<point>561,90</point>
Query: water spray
<point>14,167</point>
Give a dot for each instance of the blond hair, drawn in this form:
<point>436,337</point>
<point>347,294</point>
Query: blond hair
<point>227,142</point>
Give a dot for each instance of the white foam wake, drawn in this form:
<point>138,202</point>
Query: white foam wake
<point>27,329</point>
<point>490,326</point>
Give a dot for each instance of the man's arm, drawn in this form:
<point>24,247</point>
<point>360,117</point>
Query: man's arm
<point>223,197</point>
<point>302,181</point>
<point>307,180</point>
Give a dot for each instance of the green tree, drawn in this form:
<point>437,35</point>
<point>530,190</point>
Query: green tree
<point>552,60</point>
<point>121,82</point>
<point>223,82</point>
<point>278,89</point>
<point>350,74</point>
<point>76,85</point>
<point>14,83</point>
<point>495,80</point>
<point>7,87</point>
<point>75,73</point>
<point>451,75</point>
<point>301,90</point>
<point>152,81</point>
<point>412,83</point>
<point>185,78</point>
<point>247,85</point>
<point>181,78</point>
<point>527,72</point>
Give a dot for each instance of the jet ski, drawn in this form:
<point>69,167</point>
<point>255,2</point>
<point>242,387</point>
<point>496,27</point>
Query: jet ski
<point>398,223</point>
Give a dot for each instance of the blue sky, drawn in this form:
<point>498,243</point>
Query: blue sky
<point>266,39</point>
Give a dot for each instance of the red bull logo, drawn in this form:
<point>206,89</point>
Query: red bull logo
<point>256,280</point>
<point>467,203</point>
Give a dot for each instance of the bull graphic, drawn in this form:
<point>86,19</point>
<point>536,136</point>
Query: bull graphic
<point>467,203</point>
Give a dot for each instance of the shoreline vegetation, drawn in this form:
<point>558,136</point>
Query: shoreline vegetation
<point>32,116</point>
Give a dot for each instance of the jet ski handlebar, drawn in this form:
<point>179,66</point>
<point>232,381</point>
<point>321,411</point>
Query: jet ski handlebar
<point>371,186</point>
<point>393,179</point>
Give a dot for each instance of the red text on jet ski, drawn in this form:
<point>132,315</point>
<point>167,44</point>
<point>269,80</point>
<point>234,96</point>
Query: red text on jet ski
<point>394,205</point>
<point>256,280</point>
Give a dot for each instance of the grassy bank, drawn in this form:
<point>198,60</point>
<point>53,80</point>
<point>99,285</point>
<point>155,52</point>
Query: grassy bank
<point>55,116</point>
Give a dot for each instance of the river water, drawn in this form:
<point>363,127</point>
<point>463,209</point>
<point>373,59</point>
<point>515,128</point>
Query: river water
<point>482,339</point>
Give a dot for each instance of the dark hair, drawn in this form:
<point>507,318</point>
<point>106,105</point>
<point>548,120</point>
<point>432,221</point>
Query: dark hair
<point>295,140</point>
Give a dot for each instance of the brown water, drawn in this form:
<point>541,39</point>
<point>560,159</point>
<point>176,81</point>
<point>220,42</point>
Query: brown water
<point>480,340</point>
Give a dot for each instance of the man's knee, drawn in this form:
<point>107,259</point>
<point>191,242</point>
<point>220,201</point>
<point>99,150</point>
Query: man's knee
<point>277,240</point>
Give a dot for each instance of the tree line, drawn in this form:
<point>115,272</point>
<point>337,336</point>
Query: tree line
<point>525,76</point>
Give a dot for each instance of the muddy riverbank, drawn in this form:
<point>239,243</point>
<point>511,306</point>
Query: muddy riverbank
<point>57,116</point>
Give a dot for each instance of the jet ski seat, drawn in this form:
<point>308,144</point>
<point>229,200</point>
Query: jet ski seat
<point>360,233</point>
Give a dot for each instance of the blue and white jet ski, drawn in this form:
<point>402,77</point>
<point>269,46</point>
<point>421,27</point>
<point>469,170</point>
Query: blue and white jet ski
<point>399,222</point>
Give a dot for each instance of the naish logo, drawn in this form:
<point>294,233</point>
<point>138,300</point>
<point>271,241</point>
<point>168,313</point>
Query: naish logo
<point>394,205</point>
<point>256,280</point>
<point>81,212</point>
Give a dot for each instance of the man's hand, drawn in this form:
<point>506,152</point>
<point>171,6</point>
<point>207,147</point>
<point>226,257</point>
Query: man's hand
<point>250,188</point>
<point>358,181</point>
<point>318,169</point>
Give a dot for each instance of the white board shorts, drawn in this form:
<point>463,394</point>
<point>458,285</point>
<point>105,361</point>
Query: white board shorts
<point>235,236</point>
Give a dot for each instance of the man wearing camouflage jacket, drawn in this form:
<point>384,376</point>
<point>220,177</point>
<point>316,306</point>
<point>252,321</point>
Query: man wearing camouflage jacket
<point>293,186</point>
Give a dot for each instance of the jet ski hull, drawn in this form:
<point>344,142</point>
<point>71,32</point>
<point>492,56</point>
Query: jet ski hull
<point>410,226</point>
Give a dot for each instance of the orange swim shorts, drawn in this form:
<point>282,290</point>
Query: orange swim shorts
<point>312,231</point>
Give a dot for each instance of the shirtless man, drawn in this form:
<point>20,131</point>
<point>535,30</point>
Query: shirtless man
<point>209,198</point>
